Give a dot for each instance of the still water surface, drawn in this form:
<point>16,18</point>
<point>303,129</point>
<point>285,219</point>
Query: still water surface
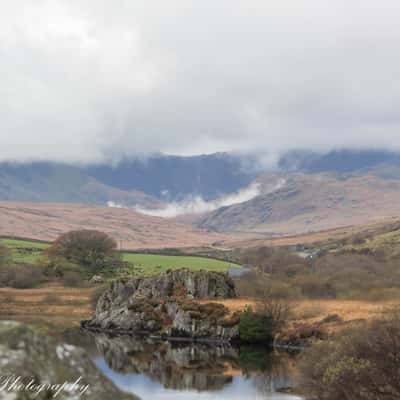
<point>162,370</point>
<point>128,368</point>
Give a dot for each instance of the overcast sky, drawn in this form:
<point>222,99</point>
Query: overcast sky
<point>87,80</point>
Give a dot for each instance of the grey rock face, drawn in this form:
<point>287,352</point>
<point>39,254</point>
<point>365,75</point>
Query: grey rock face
<point>180,283</point>
<point>27,353</point>
<point>164,306</point>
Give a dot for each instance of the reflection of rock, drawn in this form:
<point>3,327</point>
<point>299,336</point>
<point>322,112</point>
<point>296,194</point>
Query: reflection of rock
<point>26,352</point>
<point>176,366</point>
<point>164,305</point>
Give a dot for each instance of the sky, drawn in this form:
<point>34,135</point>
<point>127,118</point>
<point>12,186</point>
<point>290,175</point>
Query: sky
<point>85,81</point>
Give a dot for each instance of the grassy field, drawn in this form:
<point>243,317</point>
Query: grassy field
<point>24,251</point>
<point>151,264</point>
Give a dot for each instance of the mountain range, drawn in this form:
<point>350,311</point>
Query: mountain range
<point>305,191</point>
<point>308,202</point>
<point>144,182</point>
<point>170,178</point>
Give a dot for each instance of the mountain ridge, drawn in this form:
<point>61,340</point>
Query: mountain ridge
<point>308,202</point>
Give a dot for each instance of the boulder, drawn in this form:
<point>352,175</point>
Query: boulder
<point>27,354</point>
<point>97,279</point>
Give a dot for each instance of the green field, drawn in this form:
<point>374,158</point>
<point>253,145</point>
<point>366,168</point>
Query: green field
<point>24,251</point>
<point>151,264</point>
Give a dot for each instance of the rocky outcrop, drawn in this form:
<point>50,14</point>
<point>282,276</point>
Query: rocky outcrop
<point>180,283</point>
<point>165,306</point>
<point>29,355</point>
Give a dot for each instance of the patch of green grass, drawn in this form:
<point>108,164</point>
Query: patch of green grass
<point>152,264</point>
<point>17,243</point>
<point>24,251</point>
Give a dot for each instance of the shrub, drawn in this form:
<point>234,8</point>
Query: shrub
<point>5,255</point>
<point>362,364</point>
<point>90,249</point>
<point>277,311</point>
<point>73,279</point>
<point>315,287</point>
<point>26,278</point>
<point>254,327</point>
<point>21,276</point>
<point>340,274</point>
<point>294,270</point>
<point>56,267</point>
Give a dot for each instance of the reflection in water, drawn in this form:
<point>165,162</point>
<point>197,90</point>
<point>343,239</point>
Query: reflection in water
<point>164,370</point>
<point>155,370</point>
<point>28,355</point>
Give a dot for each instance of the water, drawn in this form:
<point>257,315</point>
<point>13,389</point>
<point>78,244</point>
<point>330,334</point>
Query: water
<point>239,388</point>
<point>128,368</point>
<point>162,370</point>
<point>237,272</point>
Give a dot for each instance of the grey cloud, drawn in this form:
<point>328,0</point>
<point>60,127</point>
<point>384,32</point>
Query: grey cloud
<point>84,81</point>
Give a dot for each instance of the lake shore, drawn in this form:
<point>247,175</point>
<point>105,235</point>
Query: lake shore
<point>66,307</point>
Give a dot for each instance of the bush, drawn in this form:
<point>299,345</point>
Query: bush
<point>27,278</point>
<point>254,327</point>
<point>73,279</point>
<point>57,267</point>
<point>362,364</point>
<point>264,323</point>
<point>90,249</point>
<point>338,274</point>
<point>21,277</point>
<point>314,287</point>
<point>277,311</point>
<point>5,255</point>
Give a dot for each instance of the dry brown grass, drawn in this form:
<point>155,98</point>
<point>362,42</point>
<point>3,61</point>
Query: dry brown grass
<point>67,306</point>
<point>71,305</point>
<point>46,221</point>
<point>311,311</point>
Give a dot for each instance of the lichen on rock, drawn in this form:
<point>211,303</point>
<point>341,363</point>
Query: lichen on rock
<point>168,305</point>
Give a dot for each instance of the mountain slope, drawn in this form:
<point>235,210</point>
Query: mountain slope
<point>309,203</point>
<point>339,161</point>
<point>48,182</point>
<point>174,177</point>
<point>46,221</point>
<point>131,182</point>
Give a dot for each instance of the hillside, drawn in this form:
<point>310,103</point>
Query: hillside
<point>339,161</point>
<point>50,182</point>
<point>308,202</point>
<point>143,182</point>
<point>46,221</point>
